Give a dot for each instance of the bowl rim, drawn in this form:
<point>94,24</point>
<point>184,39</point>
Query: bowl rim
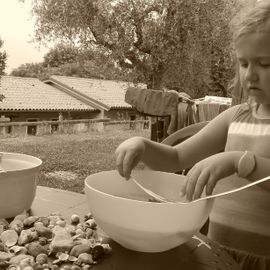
<point>118,197</point>
<point>12,155</point>
<point>211,200</point>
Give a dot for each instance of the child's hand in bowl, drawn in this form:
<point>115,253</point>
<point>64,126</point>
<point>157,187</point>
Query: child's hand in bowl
<point>208,171</point>
<point>128,154</point>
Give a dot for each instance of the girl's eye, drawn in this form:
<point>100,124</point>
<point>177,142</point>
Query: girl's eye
<point>265,65</point>
<point>243,64</point>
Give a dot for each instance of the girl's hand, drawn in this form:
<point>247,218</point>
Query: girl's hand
<point>208,171</point>
<point>128,154</point>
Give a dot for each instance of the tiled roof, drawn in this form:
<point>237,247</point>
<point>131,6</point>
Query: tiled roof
<point>32,94</point>
<point>108,93</point>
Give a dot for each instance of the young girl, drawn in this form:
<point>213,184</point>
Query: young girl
<point>234,147</point>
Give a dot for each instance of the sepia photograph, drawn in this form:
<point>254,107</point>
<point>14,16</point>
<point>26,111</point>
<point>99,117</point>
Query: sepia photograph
<point>135,134</point>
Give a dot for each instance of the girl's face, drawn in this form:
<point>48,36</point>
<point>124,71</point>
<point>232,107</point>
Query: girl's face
<point>253,54</point>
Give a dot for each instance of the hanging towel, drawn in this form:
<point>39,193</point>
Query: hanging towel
<point>152,102</point>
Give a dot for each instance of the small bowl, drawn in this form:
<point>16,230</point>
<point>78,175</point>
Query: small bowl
<point>18,183</point>
<point>123,211</point>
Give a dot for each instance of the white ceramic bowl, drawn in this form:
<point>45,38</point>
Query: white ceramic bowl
<point>122,210</point>
<point>18,184</point>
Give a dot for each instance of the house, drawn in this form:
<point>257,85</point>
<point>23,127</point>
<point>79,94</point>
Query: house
<point>62,98</point>
<point>30,100</point>
<point>108,96</point>
<point>72,97</point>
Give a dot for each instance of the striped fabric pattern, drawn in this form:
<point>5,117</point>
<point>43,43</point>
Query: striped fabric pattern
<point>242,220</point>
<point>249,129</point>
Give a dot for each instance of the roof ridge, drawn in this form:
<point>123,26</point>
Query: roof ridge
<point>104,94</point>
<point>94,79</point>
<point>77,93</point>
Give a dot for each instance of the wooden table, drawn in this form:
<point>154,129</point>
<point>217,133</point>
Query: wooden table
<point>197,254</point>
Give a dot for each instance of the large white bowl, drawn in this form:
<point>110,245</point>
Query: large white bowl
<point>123,212</point>
<point>18,183</point>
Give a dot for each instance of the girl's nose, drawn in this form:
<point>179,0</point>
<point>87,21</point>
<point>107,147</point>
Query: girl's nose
<point>251,74</point>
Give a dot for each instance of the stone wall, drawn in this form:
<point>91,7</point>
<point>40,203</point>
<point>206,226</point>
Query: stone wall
<point>17,129</point>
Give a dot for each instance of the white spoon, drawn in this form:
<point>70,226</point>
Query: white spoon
<point>230,191</point>
<point>159,198</point>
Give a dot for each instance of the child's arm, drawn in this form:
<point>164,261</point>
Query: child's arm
<point>210,140</point>
<point>155,155</point>
<point>208,171</point>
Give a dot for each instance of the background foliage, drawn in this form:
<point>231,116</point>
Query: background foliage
<point>175,44</point>
<point>3,58</point>
<point>68,60</point>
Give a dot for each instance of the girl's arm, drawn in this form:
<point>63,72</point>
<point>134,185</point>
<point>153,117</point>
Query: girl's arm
<point>208,141</point>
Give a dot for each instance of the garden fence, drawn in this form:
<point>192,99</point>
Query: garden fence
<point>16,129</point>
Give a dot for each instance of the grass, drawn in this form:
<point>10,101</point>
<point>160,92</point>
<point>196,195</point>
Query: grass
<point>69,159</point>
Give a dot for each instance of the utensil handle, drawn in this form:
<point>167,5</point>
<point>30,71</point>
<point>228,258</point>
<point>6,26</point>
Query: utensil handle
<point>236,189</point>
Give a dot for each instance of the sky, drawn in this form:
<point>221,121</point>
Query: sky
<point>17,30</point>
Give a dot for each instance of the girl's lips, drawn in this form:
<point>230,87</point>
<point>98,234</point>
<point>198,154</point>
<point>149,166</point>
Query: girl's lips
<point>254,89</point>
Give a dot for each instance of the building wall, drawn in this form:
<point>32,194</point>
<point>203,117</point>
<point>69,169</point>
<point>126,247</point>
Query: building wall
<point>17,116</point>
<point>121,114</point>
<point>21,129</point>
<point>15,129</point>
<point>113,114</point>
<point>43,116</point>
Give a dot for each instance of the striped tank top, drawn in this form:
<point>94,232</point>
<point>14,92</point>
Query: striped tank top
<point>242,220</point>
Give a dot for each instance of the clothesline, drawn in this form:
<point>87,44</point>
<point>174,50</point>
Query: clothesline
<point>179,107</point>
<point>214,99</point>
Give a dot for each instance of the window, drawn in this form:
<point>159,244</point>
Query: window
<point>32,129</point>
<point>54,127</point>
<point>132,118</point>
<point>9,129</point>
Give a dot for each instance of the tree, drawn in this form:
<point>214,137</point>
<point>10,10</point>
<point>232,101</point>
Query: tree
<point>61,54</point>
<point>69,60</point>
<point>165,42</point>
<point>3,58</point>
<point>34,70</point>
<point>76,61</point>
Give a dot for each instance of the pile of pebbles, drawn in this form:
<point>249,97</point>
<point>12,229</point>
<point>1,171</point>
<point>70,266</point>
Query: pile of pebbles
<point>50,243</point>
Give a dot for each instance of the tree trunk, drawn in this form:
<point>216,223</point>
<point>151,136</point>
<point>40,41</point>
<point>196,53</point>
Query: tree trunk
<point>155,81</point>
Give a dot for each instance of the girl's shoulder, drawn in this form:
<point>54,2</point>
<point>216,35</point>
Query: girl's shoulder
<point>235,111</point>
<point>243,107</point>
